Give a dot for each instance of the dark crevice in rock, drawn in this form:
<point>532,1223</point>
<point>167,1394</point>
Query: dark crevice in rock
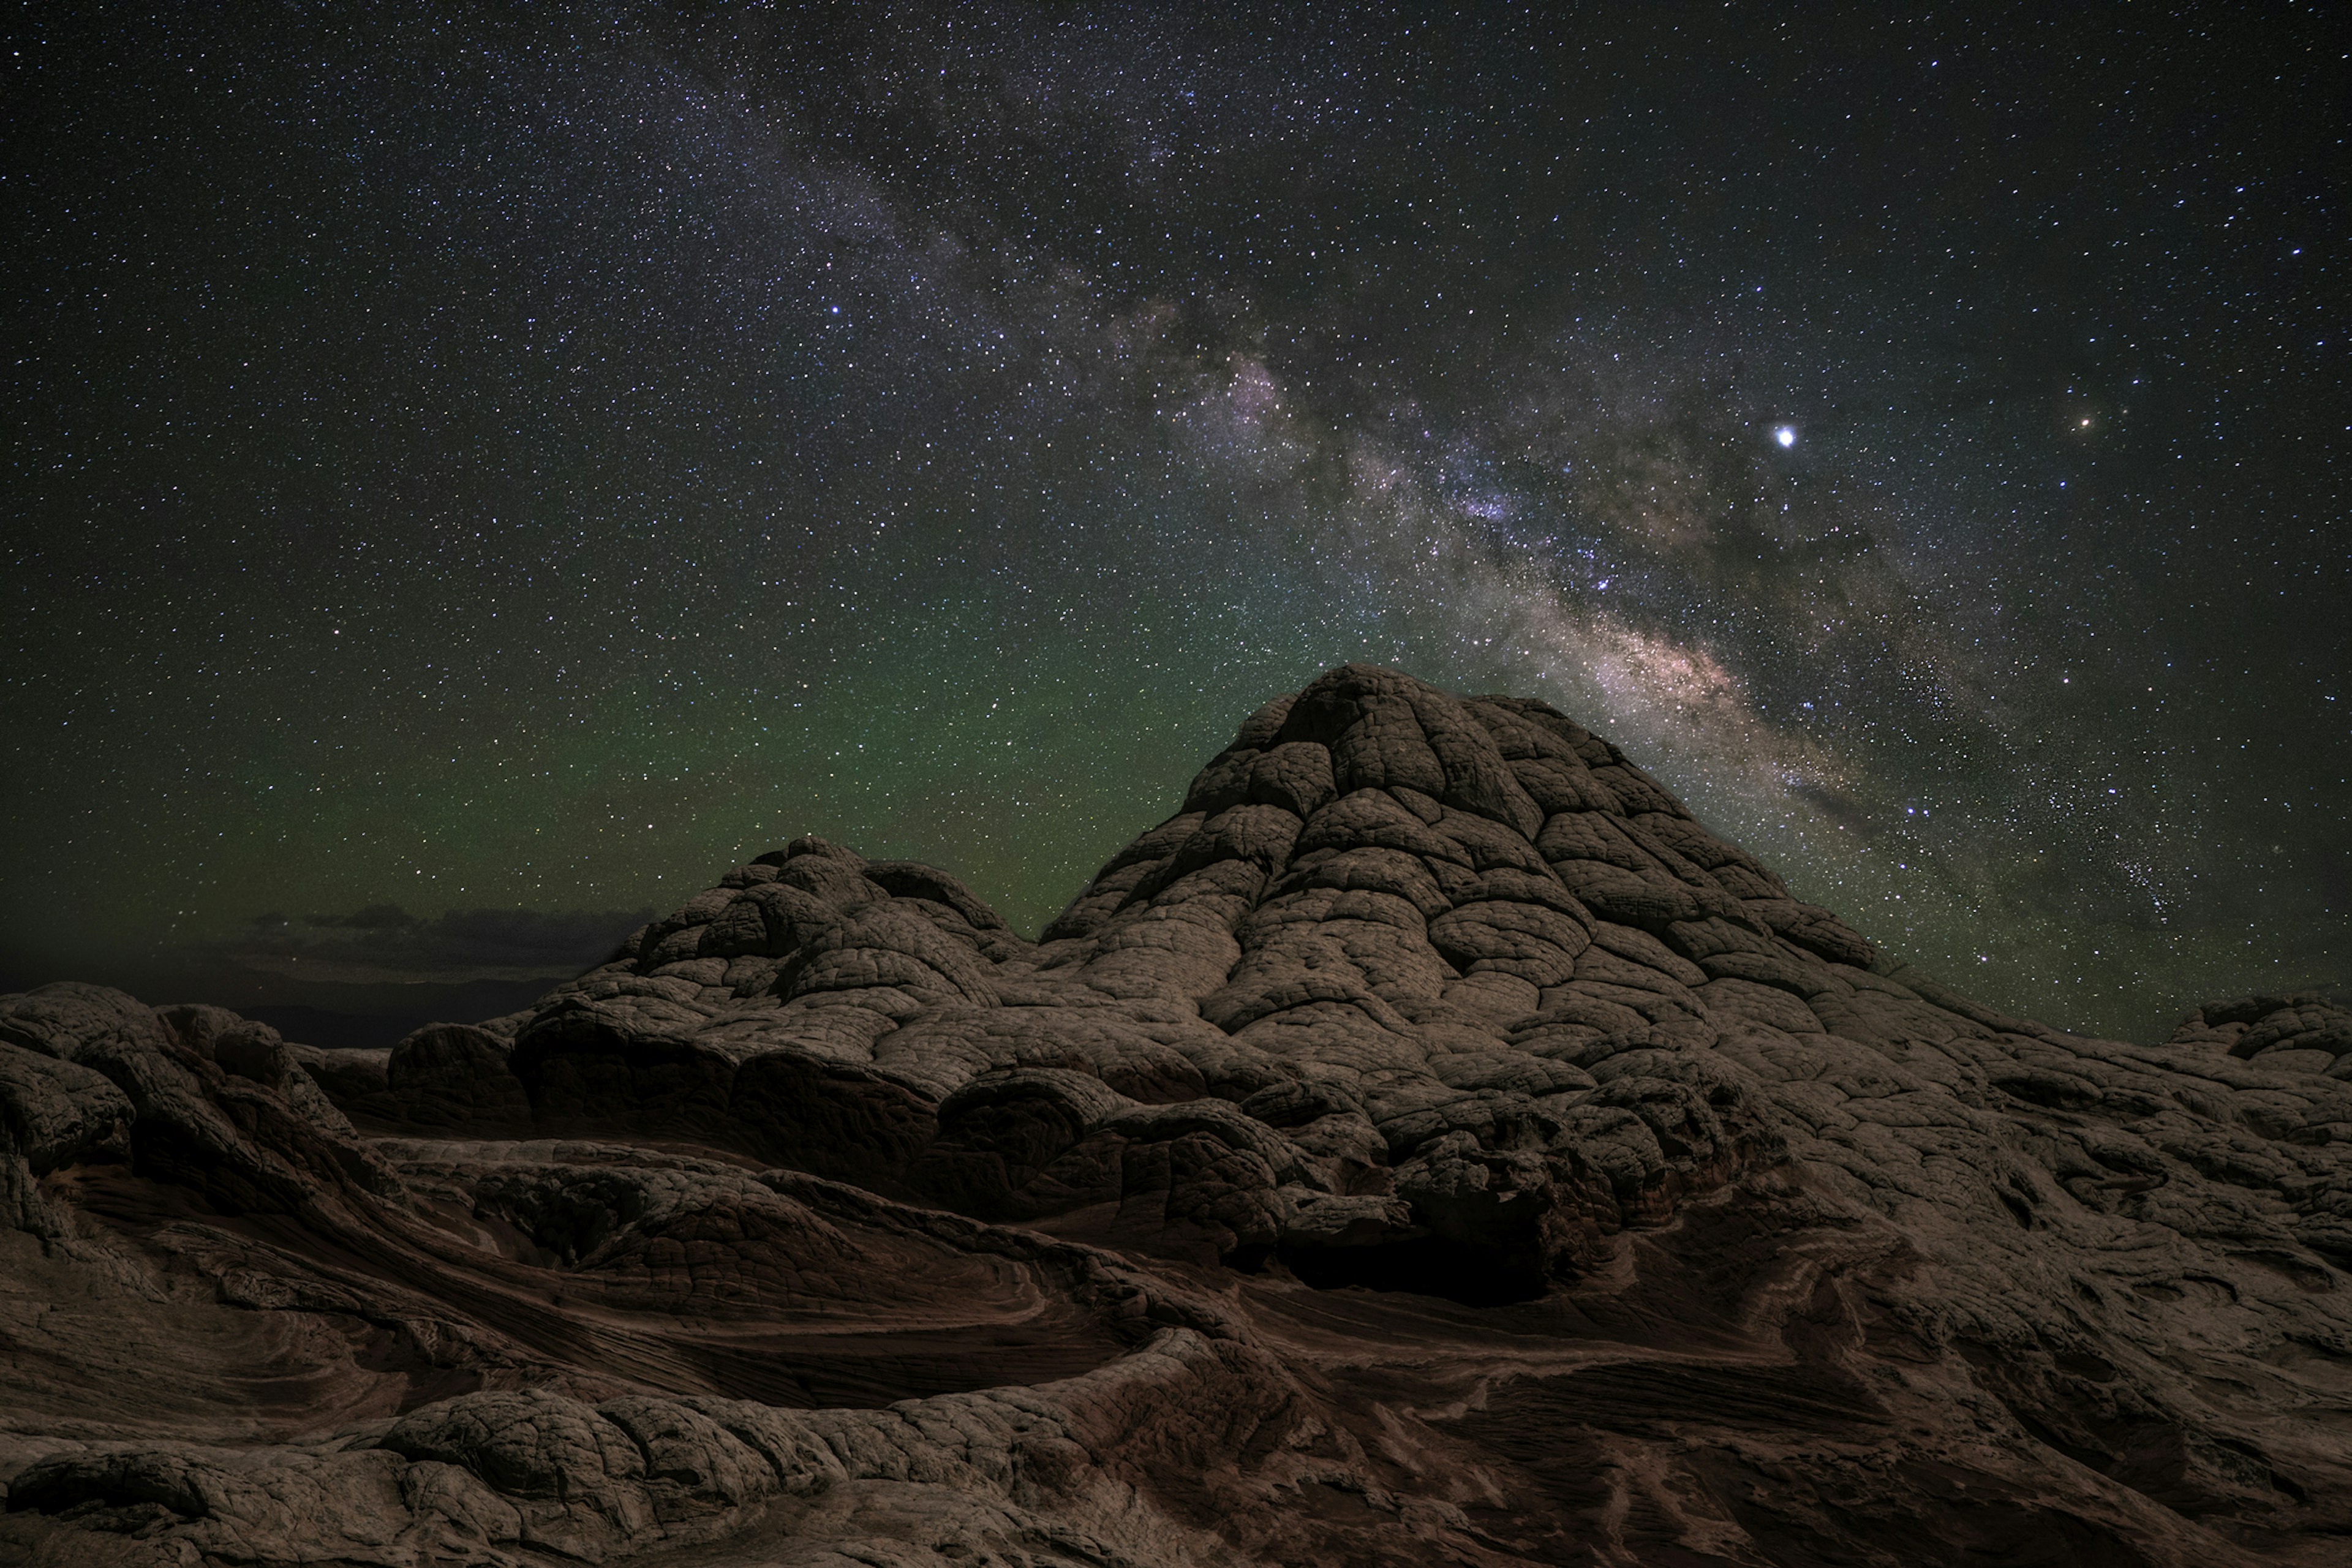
<point>1425,1265</point>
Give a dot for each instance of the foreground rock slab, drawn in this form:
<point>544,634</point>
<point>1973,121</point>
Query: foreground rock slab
<point>1430,1145</point>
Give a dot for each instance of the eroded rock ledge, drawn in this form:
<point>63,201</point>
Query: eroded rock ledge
<point>1430,1144</point>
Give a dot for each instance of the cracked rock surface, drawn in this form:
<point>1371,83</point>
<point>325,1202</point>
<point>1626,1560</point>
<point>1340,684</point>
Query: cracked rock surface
<point>1429,1145</point>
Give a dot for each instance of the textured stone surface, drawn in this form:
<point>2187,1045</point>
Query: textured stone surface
<point>1430,1144</point>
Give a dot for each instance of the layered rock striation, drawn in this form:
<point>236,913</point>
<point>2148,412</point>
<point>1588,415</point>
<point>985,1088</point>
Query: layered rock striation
<point>1430,1144</point>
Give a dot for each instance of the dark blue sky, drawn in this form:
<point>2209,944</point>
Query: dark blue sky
<point>531,457</point>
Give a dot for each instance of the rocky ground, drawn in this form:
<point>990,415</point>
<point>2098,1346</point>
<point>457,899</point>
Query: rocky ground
<point>1430,1146</point>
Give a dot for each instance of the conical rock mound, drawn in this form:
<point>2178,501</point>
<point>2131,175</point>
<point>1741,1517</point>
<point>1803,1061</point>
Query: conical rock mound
<point>1429,1144</point>
<point>1410,983</point>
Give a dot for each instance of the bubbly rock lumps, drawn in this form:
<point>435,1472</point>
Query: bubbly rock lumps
<point>1422,909</point>
<point>1430,1143</point>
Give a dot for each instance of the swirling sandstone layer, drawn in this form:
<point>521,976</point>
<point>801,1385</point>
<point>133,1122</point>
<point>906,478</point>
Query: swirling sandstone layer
<point>1431,1145</point>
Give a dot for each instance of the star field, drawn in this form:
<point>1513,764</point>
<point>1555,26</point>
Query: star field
<point>534,457</point>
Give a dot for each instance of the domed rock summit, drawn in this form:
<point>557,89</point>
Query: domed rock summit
<point>1430,1145</point>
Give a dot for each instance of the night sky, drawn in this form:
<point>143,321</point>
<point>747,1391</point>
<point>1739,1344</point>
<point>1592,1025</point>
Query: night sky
<point>475,473</point>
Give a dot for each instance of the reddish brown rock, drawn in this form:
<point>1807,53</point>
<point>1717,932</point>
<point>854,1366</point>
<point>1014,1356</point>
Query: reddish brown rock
<point>1430,1145</point>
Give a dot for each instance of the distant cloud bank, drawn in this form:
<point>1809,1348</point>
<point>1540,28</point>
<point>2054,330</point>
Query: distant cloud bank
<point>385,942</point>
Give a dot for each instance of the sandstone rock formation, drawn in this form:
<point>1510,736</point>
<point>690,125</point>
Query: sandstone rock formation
<point>1430,1145</point>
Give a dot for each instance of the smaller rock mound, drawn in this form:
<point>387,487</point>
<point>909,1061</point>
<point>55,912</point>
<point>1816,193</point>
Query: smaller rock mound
<point>2307,1032</point>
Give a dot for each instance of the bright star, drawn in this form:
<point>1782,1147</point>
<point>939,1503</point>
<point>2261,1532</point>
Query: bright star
<point>1786,435</point>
